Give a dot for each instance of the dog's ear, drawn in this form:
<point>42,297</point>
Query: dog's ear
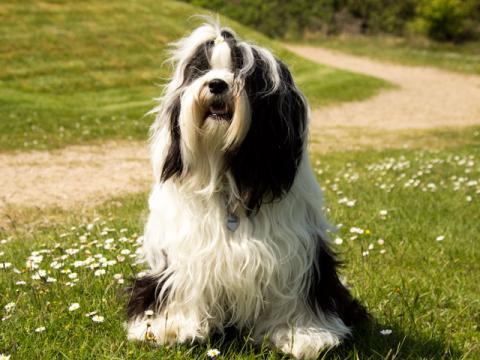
<point>173,164</point>
<point>265,165</point>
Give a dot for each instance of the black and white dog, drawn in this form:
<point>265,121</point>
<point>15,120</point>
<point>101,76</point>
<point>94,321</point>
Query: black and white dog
<point>236,234</point>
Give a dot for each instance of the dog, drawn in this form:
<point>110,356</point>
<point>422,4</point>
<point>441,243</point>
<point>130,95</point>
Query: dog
<point>236,234</point>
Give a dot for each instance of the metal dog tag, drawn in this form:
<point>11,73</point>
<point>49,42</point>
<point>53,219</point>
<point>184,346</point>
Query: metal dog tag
<point>232,222</point>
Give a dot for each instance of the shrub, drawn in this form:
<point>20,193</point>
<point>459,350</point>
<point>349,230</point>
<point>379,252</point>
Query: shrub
<point>446,20</point>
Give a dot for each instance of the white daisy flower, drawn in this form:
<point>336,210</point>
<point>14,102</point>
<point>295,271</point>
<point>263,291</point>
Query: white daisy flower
<point>98,318</point>
<point>40,329</point>
<point>212,353</point>
<point>10,306</point>
<point>4,357</point>
<point>99,272</point>
<point>385,332</point>
<point>440,238</point>
<point>356,230</point>
<point>74,306</point>
<point>338,241</point>
<point>5,265</point>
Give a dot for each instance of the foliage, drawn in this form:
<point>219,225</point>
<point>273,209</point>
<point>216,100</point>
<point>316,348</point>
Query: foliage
<point>444,20</point>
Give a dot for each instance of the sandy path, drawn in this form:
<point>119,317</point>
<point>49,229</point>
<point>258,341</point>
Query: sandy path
<point>72,176</point>
<point>425,98</point>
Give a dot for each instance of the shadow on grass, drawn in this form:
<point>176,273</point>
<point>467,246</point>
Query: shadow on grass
<point>366,343</point>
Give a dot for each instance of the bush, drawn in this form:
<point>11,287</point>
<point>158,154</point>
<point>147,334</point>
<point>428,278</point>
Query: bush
<point>443,20</point>
<point>446,20</point>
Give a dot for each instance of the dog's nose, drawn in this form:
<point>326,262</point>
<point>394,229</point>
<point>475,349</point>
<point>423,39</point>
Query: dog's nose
<point>217,86</point>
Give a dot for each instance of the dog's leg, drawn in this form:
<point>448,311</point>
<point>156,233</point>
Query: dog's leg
<point>153,317</point>
<point>302,333</point>
<point>168,328</point>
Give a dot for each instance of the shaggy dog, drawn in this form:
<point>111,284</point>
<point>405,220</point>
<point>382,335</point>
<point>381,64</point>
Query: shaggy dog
<point>236,234</point>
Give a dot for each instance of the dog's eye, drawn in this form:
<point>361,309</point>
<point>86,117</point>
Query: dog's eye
<point>210,43</point>
<point>226,34</point>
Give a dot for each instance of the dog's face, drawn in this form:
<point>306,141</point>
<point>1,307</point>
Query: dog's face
<point>236,105</point>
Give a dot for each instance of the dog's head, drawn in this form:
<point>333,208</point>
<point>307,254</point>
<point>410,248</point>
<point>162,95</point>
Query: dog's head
<point>230,114</point>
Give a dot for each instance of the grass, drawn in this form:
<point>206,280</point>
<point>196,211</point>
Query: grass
<point>81,71</point>
<point>417,52</point>
<point>424,290</point>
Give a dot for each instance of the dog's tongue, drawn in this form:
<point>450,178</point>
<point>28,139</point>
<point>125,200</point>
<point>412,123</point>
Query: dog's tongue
<point>218,109</point>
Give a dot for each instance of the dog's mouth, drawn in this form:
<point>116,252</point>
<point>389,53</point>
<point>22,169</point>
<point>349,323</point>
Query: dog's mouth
<point>219,110</point>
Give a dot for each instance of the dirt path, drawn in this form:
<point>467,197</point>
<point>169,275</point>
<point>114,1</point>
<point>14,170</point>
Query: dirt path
<point>425,98</point>
<point>72,176</point>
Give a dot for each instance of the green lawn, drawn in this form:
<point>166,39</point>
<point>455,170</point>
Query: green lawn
<point>78,71</point>
<point>417,52</point>
<point>421,282</point>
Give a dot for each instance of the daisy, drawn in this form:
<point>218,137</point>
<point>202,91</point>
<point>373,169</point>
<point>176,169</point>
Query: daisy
<point>10,306</point>
<point>74,306</point>
<point>40,329</point>
<point>385,332</point>
<point>212,353</point>
<point>100,272</point>
<point>5,265</point>
<point>356,230</point>
<point>98,318</point>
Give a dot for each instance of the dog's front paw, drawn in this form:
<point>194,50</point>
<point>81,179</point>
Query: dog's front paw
<point>303,342</point>
<point>162,330</point>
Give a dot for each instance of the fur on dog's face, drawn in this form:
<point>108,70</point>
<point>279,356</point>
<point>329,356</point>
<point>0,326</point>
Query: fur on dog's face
<point>232,108</point>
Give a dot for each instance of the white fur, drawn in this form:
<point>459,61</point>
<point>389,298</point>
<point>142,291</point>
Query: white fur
<point>252,277</point>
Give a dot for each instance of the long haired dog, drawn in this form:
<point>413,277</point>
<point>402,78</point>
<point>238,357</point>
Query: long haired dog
<point>236,235</point>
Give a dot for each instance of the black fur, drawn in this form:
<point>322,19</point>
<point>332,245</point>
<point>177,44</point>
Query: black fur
<point>265,165</point>
<point>328,294</point>
<point>199,63</point>
<point>173,164</point>
<point>143,295</point>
